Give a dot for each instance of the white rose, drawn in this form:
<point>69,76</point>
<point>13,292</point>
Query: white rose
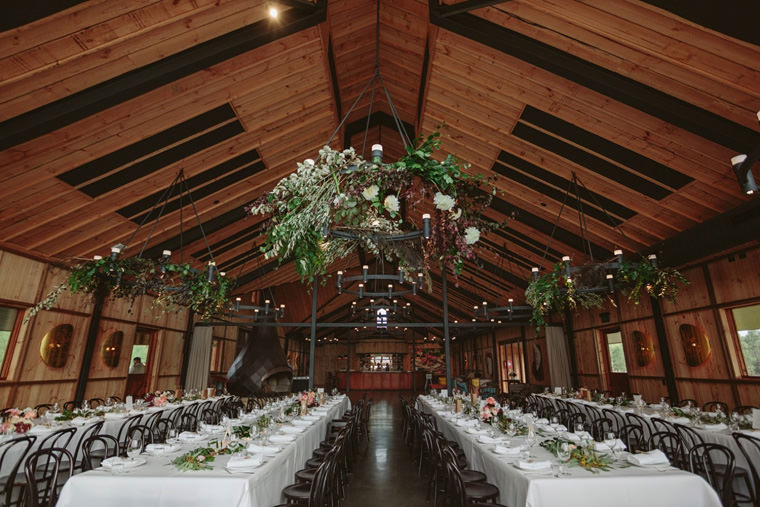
<point>456,214</point>
<point>370,192</point>
<point>471,235</point>
<point>443,202</point>
<point>391,204</point>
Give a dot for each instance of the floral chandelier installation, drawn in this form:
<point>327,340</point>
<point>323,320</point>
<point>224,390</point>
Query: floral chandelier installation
<point>172,286</point>
<point>566,287</point>
<point>341,191</point>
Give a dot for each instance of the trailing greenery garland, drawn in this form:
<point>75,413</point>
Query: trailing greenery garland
<point>341,191</point>
<point>552,292</point>
<point>171,285</point>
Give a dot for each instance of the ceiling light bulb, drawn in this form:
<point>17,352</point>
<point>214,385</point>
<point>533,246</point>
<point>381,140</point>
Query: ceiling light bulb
<point>273,12</point>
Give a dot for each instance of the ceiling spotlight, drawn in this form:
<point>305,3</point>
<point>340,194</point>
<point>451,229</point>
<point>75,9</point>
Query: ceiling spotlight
<point>273,12</point>
<point>744,174</point>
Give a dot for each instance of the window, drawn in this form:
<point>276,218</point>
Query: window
<point>617,356</point>
<point>382,318</point>
<point>140,349</point>
<point>747,325</point>
<point>9,318</point>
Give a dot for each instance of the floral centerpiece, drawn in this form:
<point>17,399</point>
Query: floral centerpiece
<point>158,399</point>
<point>18,420</point>
<point>489,410</point>
<point>582,455</point>
<point>308,399</point>
<point>342,191</point>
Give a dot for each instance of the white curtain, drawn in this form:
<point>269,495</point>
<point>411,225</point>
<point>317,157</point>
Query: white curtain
<point>200,355</point>
<point>556,350</point>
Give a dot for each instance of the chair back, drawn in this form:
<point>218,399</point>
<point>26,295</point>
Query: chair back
<point>669,443</point>
<point>141,431</point>
<point>161,430</point>
<point>688,401</point>
<point>59,438</point>
<point>715,463</point>
<point>750,446</point>
<point>744,409</point>
<point>714,406</point>
<point>633,437</point>
<point>95,402</point>
<point>188,422</point>
<point>44,471</point>
<point>70,405</point>
<point>616,417</point>
<point>42,408</point>
<point>89,431</point>
<point>124,429</point>
<point>210,416</point>
<point>601,426</point>
<point>97,448</point>
<point>662,425</point>
<point>12,454</point>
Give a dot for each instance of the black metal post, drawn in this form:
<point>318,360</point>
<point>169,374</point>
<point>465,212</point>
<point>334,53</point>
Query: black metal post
<point>348,364</point>
<point>313,342</point>
<point>89,349</point>
<point>446,338</point>
<point>186,348</point>
<point>570,340</point>
<point>414,364</point>
<point>662,340</point>
<point>495,360</point>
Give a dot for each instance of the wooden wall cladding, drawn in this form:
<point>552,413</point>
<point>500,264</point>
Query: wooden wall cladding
<point>98,368</point>
<point>715,365</point>
<point>52,278</point>
<point>749,394</point>
<point>630,310</point>
<point>103,388</point>
<point>171,353</point>
<point>651,389</point>
<point>538,362</point>
<point>705,390</point>
<point>586,355</point>
<point>736,277</point>
<point>694,295</point>
<point>29,395</point>
<point>19,278</point>
<point>33,369</point>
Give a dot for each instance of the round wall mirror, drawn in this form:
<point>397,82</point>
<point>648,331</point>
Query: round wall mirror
<point>643,346</point>
<point>55,346</point>
<point>696,345</point>
<point>111,349</point>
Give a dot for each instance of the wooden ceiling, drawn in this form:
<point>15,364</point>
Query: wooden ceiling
<point>104,102</point>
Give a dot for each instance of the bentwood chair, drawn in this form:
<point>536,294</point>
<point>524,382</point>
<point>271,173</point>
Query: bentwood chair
<point>42,488</point>
<point>124,430</point>
<point>97,448</point>
<point>91,430</point>
<point>750,446</point>
<point>714,406</point>
<point>12,455</point>
<point>704,459</point>
<point>669,443</point>
<point>141,431</point>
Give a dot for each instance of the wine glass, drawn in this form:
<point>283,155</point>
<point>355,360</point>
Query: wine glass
<point>171,436</point>
<point>610,440</point>
<point>579,428</point>
<point>511,429</point>
<point>554,421</point>
<point>134,447</point>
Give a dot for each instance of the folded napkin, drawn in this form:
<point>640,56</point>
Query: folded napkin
<point>81,421</point>
<point>752,433</point>
<point>605,405</point>
<point>302,423</point>
<point>292,429</point>
<point>534,465</point>
<point>115,415</point>
<point>542,420</point>
<point>655,457</point>
<point>475,431</point>
<point>714,427</point>
<point>212,428</point>
<point>244,462</point>
<point>189,436</point>
<point>158,449</point>
<point>602,447</point>
<point>508,451</point>
<point>155,409</point>
<point>126,462</point>
<point>679,420</point>
<point>310,417</point>
<point>576,437</point>
<point>485,439</point>
<point>35,430</point>
<point>266,450</point>
<point>282,439</point>
<point>234,422</point>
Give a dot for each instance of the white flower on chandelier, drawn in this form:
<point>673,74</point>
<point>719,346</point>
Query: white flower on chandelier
<point>391,203</point>
<point>471,235</point>
<point>443,202</point>
<point>456,214</point>
<point>370,193</point>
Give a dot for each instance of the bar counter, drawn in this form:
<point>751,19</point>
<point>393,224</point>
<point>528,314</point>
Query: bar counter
<point>381,380</point>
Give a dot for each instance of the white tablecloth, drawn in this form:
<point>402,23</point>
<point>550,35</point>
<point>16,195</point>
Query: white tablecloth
<point>628,487</point>
<point>160,484</point>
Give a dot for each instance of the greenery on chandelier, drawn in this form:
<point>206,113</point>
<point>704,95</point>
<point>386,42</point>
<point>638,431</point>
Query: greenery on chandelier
<point>171,285</point>
<point>342,191</point>
<point>553,292</point>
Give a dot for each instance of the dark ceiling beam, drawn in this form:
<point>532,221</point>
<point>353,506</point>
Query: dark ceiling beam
<point>377,119</point>
<point>462,7</point>
<point>129,85</point>
<point>623,89</point>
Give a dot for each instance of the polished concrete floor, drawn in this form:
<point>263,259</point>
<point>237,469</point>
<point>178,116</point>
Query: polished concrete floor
<point>384,471</point>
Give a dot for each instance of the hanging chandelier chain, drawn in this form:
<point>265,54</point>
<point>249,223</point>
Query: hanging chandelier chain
<point>556,224</point>
<point>200,225</point>
<point>165,198</point>
<point>582,224</point>
<point>607,215</point>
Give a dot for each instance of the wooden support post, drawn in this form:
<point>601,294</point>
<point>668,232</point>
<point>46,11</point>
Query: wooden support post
<point>667,361</point>
<point>186,348</point>
<point>89,348</point>
<point>313,342</point>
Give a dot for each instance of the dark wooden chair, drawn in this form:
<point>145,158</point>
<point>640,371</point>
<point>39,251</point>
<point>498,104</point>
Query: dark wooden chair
<point>88,432</point>
<point>744,409</point>
<point>95,402</point>
<point>601,426</point>
<point>96,448</point>
<point>141,431</point>
<point>688,401</point>
<point>124,430</point>
<point>42,408</point>
<point>750,446</point>
<point>12,455</point>
<point>669,443</point>
<point>715,463</point>
<point>616,417</point>
<point>634,438</point>
<point>714,406</point>
<point>70,405</point>
<point>161,429</point>
<point>46,471</point>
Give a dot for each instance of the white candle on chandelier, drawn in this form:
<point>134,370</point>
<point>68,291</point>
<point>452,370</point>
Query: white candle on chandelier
<point>565,258</point>
<point>96,257</point>
<point>166,253</point>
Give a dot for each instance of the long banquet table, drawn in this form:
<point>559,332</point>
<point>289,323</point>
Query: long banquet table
<point>631,486</point>
<point>161,484</point>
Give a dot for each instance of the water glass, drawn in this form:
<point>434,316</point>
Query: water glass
<point>579,428</point>
<point>554,420</point>
<point>171,436</point>
<point>610,440</point>
<point>135,447</point>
